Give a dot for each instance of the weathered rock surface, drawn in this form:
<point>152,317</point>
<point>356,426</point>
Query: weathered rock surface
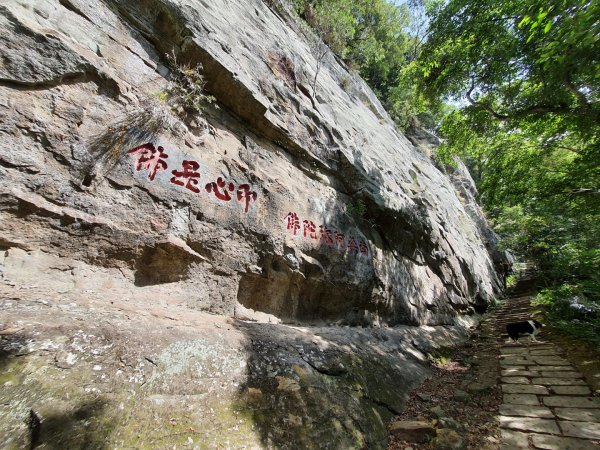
<point>78,87</point>
<point>128,374</point>
<point>413,430</point>
<point>123,224</point>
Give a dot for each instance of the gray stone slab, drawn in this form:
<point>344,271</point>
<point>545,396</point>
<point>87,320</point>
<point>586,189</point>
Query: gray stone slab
<point>521,399</point>
<point>520,373</point>
<point>544,352</point>
<point>556,368</point>
<point>526,411</point>
<point>511,367</point>
<point>551,361</point>
<point>559,381</point>
<point>578,414</point>
<point>514,439</point>
<point>515,380</point>
<point>520,363</point>
<point>510,361</point>
<point>529,424</point>
<point>542,346</point>
<point>509,351</point>
<point>570,390</point>
<point>524,389</point>
<point>564,401</point>
<point>548,442</point>
<point>585,430</point>
<point>557,374</point>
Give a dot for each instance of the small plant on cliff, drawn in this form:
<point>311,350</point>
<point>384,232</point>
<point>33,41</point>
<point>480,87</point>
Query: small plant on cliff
<point>139,125</point>
<point>186,90</point>
<point>356,209</point>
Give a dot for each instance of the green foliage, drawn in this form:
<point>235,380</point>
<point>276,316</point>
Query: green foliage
<point>569,310</point>
<point>380,39</point>
<point>540,185</point>
<point>517,60</point>
<point>357,209</point>
<point>161,96</point>
<point>511,280</point>
<point>525,77</point>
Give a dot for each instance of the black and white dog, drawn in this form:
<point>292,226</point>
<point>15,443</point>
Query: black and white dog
<point>526,328</point>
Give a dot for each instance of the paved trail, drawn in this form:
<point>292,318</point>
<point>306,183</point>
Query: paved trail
<point>546,402</point>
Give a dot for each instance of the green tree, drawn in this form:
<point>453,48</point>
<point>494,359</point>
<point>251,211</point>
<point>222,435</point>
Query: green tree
<point>526,77</point>
<point>379,39</point>
<point>517,60</point>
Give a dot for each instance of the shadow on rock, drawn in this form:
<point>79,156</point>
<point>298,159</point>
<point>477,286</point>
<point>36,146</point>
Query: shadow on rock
<point>11,345</point>
<point>82,427</point>
<point>312,391</point>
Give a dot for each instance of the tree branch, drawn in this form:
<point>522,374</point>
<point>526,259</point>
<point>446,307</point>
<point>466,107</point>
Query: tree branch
<point>533,109</point>
<point>580,96</point>
<point>482,105</point>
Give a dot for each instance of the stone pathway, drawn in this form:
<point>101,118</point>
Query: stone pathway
<point>546,402</point>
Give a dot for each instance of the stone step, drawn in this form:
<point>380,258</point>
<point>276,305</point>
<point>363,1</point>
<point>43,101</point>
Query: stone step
<point>578,414</point>
<point>565,401</point>
<point>585,430</point>
<point>549,442</point>
<point>547,403</point>
<point>529,424</point>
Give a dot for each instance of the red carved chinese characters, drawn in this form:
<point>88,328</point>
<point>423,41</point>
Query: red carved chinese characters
<point>326,237</point>
<point>310,228</point>
<point>362,246</point>
<point>218,189</point>
<point>352,246</point>
<point>244,194</point>
<point>189,173</point>
<point>150,158</point>
<point>293,222</point>
<point>340,239</point>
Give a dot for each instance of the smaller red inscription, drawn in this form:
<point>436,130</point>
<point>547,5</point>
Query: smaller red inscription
<point>150,158</point>
<point>339,239</point>
<point>189,177</point>
<point>244,194</point>
<point>293,222</point>
<point>352,246</point>
<point>363,247</point>
<point>309,228</point>
<point>219,190</point>
<point>326,235</point>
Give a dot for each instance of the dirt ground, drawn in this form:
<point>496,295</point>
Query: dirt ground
<point>468,370</point>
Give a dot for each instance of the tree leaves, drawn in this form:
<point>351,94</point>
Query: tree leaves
<point>530,127</point>
<point>381,40</point>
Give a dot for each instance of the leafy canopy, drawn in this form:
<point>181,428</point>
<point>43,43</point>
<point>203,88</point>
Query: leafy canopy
<point>526,79</point>
<point>517,60</point>
<point>378,38</point>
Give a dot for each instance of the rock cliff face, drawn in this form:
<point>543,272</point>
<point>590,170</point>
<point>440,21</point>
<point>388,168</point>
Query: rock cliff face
<point>79,88</point>
<point>245,210</point>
